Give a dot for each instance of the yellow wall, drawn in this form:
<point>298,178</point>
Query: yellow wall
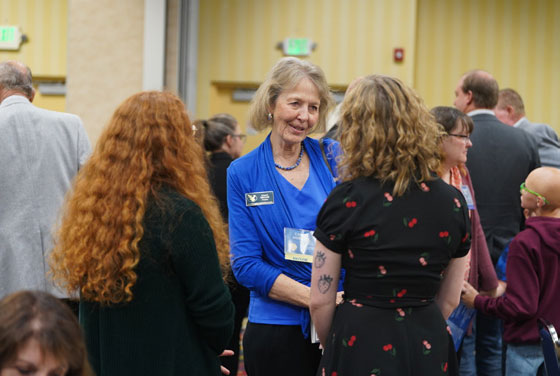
<point>518,41</point>
<point>44,22</point>
<point>50,102</point>
<point>237,40</point>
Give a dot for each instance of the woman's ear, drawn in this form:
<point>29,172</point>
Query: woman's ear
<point>228,141</point>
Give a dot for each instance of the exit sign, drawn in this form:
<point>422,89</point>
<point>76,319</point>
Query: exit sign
<point>297,46</point>
<point>10,38</point>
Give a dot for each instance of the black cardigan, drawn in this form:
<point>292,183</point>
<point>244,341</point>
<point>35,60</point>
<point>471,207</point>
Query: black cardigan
<point>181,315</point>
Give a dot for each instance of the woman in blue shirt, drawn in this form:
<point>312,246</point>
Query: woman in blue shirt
<point>274,195</point>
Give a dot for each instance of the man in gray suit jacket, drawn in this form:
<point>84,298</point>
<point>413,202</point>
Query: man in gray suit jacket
<point>40,153</point>
<point>499,161</point>
<point>511,111</point>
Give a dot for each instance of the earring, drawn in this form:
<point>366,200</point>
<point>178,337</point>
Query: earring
<point>269,116</point>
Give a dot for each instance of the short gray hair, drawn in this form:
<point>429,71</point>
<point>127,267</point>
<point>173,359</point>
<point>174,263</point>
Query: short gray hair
<point>16,76</point>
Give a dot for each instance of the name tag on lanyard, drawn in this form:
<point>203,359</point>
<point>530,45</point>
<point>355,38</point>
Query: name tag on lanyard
<point>468,197</point>
<point>299,244</point>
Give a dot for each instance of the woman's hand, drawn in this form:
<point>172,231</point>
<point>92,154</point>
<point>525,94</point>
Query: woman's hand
<point>339,297</point>
<point>225,371</point>
<point>468,294</point>
<point>497,292</point>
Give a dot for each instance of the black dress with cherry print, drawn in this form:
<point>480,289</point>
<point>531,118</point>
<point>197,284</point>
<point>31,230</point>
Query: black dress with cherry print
<point>394,250</point>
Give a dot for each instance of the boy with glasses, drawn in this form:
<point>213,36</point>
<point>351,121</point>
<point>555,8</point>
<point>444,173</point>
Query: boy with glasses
<point>533,275</point>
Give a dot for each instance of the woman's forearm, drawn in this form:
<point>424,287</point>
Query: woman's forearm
<point>449,293</point>
<point>322,317</point>
<point>287,290</point>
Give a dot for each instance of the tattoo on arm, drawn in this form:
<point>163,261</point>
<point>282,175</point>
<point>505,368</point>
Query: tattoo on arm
<point>320,258</point>
<point>324,283</point>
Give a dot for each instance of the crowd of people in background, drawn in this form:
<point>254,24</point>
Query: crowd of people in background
<point>353,253</point>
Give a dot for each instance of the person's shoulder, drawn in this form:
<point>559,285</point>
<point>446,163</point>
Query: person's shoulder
<point>62,116</point>
<point>14,105</point>
<point>246,162</point>
<point>487,125</point>
<point>485,117</point>
<point>331,146</point>
<point>441,190</point>
<point>518,137</point>
<point>172,202</point>
<point>538,230</point>
<point>543,128</point>
<point>359,186</point>
<point>526,139</point>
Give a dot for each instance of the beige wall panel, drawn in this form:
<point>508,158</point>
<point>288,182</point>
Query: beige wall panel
<point>237,39</point>
<point>105,47</point>
<point>45,24</point>
<point>172,47</point>
<point>518,41</point>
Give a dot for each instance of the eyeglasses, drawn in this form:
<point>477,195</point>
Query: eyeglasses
<point>242,137</point>
<point>522,188</point>
<point>461,136</point>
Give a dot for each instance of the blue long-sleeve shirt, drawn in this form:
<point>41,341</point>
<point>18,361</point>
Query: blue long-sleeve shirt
<point>257,232</point>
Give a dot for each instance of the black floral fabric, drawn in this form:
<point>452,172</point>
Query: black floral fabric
<point>394,250</point>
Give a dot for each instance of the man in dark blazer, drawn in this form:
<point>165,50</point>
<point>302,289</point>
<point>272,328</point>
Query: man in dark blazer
<point>499,161</point>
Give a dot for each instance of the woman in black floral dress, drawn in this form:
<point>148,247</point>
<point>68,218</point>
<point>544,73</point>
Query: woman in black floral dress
<point>401,234</point>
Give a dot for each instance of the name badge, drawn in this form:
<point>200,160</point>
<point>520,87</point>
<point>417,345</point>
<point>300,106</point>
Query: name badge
<point>259,198</point>
<point>468,197</point>
<point>298,244</point>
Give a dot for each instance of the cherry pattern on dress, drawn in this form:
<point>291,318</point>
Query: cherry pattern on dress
<point>412,222</point>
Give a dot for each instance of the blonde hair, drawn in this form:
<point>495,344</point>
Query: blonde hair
<point>388,133</point>
<point>285,75</point>
<point>147,145</point>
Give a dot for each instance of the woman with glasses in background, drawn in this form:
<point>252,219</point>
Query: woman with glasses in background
<point>480,270</point>
<point>224,141</point>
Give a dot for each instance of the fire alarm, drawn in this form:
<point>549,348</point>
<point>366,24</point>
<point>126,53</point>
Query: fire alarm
<point>398,55</point>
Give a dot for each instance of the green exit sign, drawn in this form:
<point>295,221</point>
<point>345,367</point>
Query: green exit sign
<point>297,46</point>
<point>7,33</point>
<point>10,38</point>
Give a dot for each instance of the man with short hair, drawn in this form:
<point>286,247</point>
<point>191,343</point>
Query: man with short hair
<point>40,153</point>
<point>510,110</point>
<point>499,161</point>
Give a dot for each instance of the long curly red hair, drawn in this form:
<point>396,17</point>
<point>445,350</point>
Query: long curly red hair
<point>147,145</point>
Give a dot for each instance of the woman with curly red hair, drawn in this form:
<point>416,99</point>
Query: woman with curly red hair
<point>142,241</point>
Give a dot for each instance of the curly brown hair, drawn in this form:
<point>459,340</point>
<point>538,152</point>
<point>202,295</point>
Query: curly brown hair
<point>147,145</point>
<point>388,133</point>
